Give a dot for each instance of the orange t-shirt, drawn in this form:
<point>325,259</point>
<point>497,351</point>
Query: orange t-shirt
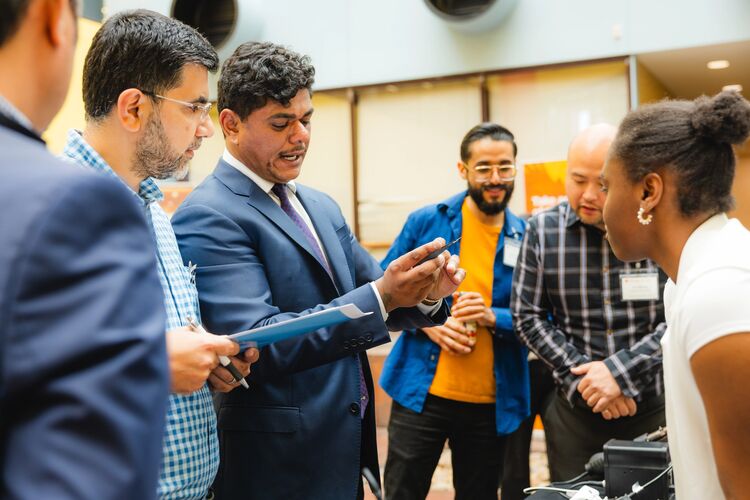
<point>470,378</point>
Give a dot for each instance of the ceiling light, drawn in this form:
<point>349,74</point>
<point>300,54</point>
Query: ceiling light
<point>718,64</point>
<point>735,86</point>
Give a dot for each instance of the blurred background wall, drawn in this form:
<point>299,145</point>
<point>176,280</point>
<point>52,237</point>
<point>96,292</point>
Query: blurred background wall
<point>399,82</point>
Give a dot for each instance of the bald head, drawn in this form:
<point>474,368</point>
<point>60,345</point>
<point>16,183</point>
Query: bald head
<point>593,143</point>
<point>586,156</point>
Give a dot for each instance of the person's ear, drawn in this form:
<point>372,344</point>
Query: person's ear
<point>230,125</point>
<point>462,170</point>
<point>652,191</point>
<point>130,109</point>
<point>60,22</point>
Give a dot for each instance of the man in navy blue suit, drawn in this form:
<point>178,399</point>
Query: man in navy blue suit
<point>269,249</point>
<point>83,367</point>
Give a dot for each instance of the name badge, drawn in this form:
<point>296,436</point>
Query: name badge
<point>511,250</point>
<point>640,286</point>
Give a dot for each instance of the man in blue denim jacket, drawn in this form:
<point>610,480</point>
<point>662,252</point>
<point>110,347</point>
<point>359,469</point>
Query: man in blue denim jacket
<point>466,381</point>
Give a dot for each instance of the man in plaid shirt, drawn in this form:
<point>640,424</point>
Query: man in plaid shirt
<point>145,89</point>
<point>595,321</point>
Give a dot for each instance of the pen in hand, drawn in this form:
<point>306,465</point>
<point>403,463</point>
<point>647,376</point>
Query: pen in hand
<point>223,360</point>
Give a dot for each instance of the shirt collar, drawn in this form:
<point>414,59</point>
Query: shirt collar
<point>571,217</point>
<point>8,109</point>
<point>262,183</point>
<point>80,152</point>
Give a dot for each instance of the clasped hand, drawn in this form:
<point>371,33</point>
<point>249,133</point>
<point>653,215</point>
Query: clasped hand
<point>452,337</point>
<point>601,391</point>
<point>405,284</point>
<point>469,306</point>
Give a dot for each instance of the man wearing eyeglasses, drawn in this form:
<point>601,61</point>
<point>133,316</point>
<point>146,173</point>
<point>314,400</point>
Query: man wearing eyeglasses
<point>145,89</point>
<point>467,380</point>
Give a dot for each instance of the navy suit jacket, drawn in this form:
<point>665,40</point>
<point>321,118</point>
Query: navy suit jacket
<point>83,368</point>
<point>297,433</point>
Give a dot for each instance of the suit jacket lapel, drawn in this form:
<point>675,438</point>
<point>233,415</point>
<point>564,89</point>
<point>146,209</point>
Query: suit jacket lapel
<point>242,185</point>
<point>328,237</point>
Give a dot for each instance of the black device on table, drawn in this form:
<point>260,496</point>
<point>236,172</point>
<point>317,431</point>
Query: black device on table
<point>643,461</point>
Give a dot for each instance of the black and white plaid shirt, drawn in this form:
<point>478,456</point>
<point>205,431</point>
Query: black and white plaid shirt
<point>568,308</point>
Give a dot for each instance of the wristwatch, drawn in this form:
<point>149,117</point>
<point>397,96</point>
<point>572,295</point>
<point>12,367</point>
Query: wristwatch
<point>430,302</point>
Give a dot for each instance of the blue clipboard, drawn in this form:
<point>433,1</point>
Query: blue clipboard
<point>268,334</point>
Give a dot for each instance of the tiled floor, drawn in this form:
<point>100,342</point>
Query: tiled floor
<point>442,488</point>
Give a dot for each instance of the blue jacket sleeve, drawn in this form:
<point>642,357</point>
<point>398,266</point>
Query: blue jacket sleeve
<point>85,370</point>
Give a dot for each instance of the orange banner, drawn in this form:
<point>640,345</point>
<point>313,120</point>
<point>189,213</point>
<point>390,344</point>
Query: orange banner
<point>545,185</point>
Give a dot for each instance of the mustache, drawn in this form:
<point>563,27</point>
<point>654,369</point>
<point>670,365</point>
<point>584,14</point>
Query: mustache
<point>504,187</point>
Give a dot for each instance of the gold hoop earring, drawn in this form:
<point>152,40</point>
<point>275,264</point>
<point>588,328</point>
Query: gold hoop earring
<point>644,220</point>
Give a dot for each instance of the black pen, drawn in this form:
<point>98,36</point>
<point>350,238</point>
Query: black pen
<point>225,361</point>
<point>437,252</point>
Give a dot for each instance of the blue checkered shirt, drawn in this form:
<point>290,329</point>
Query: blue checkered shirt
<point>191,449</point>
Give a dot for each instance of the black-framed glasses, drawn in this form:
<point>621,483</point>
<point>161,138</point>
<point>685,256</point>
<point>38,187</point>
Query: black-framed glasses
<point>199,109</point>
<point>483,172</point>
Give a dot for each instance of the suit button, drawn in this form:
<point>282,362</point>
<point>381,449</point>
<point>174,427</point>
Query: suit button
<point>354,409</point>
<point>368,337</point>
<point>346,344</point>
<point>361,341</point>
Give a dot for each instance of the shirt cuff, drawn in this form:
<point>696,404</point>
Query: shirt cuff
<point>380,301</point>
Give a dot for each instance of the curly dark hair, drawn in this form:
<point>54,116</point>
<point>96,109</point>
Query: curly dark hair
<point>258,71</point>
<point>693,138</point>
<point>487,129</point>
<point>140,49</point>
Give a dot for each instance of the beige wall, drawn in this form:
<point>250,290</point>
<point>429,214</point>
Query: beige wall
<point>408,149</point>
<point>649,88</point>
<point>546,108</point>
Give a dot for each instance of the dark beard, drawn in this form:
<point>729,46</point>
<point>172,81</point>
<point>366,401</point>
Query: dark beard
<point>153,155</point>
<point>488,207</point>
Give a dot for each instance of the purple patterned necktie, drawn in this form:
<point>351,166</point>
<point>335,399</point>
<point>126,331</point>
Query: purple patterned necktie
<point>280,191</point>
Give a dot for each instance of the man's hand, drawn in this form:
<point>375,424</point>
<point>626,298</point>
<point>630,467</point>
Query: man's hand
<point>405,285</point>
<point>192,356</point>
<point>451,337</point>
<point>620,407</point>
<point>449,277</point>
<point>469,306</point>
<point>221,380</point>
<point>598,387</point>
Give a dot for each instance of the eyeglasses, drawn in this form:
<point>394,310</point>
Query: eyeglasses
<point>484,172</point>
<point>201,110</point>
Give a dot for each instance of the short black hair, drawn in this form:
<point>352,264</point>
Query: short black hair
<point>487,129</point>
<point>13,12</point>
<point>140,49</point>
<point>693,139</point>
<point>258,71</point>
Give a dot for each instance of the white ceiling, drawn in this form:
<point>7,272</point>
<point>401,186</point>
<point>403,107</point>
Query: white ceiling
<point>684,73</point>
